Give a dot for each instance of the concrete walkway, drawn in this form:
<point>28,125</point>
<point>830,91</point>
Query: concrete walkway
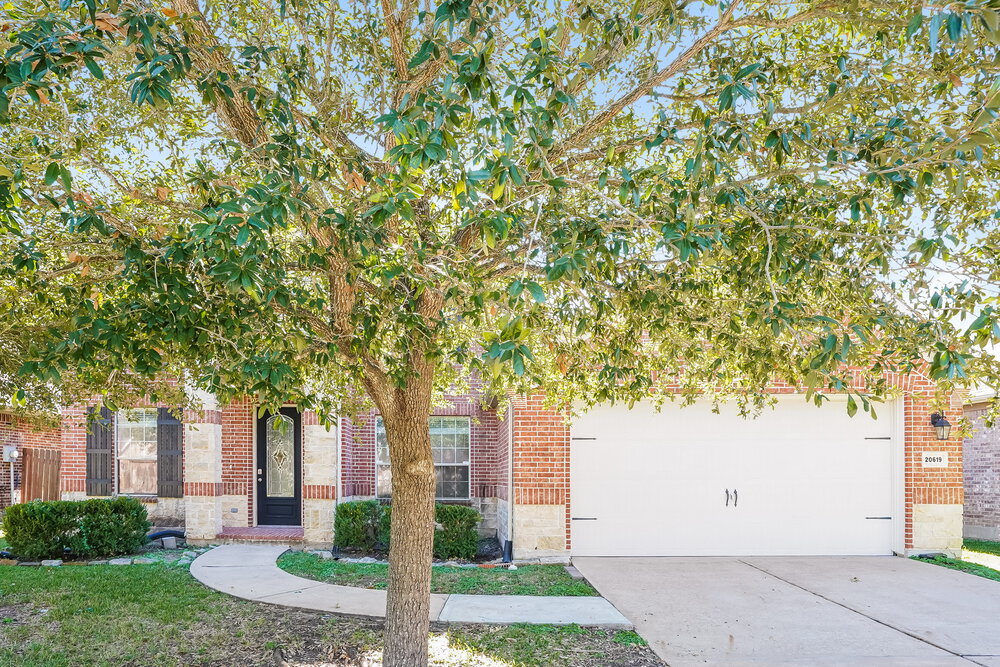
<point>878,610</point>
<point>250,572</point>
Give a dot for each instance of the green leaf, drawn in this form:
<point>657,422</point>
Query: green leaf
<point>52,173</point>
<point>536,292</point>
<point>852,406</point>
<point>934,31</point>
<point>749,69</point>
<point>94,68</point>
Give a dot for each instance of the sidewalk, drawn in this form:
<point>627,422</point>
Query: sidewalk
<point>250,571</point>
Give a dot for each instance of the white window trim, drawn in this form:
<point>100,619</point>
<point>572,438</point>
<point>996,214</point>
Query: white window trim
<point>116,472</point>
<point>380,426</point>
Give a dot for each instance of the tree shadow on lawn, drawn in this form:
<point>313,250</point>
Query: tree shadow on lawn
<point>155,615</point>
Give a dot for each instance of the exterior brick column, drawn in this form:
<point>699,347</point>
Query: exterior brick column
<point>319,480</point>
<point>238,472</point>
<point>203,471</point>
<point>934,496</point>
<point>541,480</point>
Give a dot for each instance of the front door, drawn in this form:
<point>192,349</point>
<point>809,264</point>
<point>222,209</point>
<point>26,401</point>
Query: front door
<point>279,468</point>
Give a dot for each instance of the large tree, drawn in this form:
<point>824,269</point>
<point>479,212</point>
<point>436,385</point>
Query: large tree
<point>313,201</point>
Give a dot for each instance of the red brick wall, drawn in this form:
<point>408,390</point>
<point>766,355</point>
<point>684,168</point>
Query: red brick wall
<point>237,451</point>
<point>73,467</point>
<point>14,431</point>
<point>928,485</point>
<point>358,447</point>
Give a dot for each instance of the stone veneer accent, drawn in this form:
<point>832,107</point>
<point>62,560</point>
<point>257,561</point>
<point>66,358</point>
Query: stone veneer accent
<point>203,471</point>
<point>319,480</point>
<point>539,531</point>
<point>937,527</point>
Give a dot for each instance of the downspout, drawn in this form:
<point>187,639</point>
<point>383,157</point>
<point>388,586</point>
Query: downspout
<point>508,545</point>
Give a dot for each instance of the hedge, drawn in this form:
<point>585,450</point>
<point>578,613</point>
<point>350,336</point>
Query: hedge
<point>364,525</point>
<point>80,528</point>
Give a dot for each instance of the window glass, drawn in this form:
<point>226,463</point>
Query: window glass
<point>450,448</point>
<point>136,443</point>
<point>280,446</point>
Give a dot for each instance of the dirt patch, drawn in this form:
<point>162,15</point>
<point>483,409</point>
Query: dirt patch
<point>15,615</point>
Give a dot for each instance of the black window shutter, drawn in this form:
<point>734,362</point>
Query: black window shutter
<point>169,469</point>
<point>100,453</point>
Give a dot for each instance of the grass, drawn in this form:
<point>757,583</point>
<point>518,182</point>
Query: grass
<point>526,580</point>
<point>982,546</point>
<point>963,566</point>
<point>155,615</point>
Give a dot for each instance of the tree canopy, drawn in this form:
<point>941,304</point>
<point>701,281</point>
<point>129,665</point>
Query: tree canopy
<point>293,199</point>
<point>288,197</point>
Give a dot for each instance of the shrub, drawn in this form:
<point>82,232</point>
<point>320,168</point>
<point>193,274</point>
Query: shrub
<point>115,526</point>
<point>365,524</point>
<point>86,528</point>
<point>457,537</point>
<point>356,524</point>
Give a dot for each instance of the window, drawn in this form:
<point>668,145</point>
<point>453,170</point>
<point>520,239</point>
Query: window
<point>137,451</point>
<point>450,446</point>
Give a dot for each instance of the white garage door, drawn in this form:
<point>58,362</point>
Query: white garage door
<point>798,480</point>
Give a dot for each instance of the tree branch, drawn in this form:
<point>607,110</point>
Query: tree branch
<point>608,113</point>
<point>394,30</point>
<point>236,112</point>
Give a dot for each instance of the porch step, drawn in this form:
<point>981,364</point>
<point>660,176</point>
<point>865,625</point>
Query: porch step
<point>261,534</point>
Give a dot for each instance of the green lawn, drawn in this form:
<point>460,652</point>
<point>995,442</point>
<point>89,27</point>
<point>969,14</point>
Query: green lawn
<point>982,546</point>
<point>158,615</point>
<point>963,566</point>
<point>526,580</point>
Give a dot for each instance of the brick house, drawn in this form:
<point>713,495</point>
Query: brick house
<point>20,435</point>
<point>981,456</point>
<point>798,480</point>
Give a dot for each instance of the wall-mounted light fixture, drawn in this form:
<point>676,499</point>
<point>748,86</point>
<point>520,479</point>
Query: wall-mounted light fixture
<point>941,426</point>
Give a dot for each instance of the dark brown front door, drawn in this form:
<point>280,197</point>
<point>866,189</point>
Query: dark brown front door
<point>279,468</point>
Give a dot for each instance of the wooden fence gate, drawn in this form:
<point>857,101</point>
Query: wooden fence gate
<point>40,474</point>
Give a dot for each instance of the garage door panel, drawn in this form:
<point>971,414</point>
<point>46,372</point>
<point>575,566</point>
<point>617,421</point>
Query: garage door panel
<point>801,480</point>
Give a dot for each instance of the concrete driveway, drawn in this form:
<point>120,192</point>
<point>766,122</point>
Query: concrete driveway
<point>804,611</point>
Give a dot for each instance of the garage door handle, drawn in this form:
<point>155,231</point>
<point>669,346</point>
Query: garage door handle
<point>583,518</point>
<point>727,497</point>
<point>736,497</point>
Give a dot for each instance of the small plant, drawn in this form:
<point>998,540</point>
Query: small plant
<point>628,638</point>
<point>82,528</point>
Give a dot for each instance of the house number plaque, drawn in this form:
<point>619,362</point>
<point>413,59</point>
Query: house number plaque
<point>934,460</point>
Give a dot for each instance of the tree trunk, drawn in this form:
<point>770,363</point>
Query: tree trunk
<point>411,539</point>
